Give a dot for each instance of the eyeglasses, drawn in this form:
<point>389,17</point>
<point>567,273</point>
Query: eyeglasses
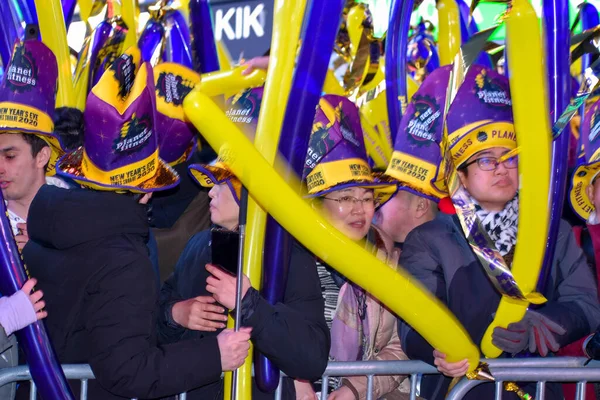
<point>346,203</point>
<point>491,163</point>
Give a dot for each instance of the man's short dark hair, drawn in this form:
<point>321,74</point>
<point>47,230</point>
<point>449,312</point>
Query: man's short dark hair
<point>36,143</point>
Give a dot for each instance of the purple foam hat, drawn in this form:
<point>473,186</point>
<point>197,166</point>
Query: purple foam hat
<point>416,160</point>
<point>176,134</point>
<point>337,157</point>
<point>120,150</point>
<point>28,94</point>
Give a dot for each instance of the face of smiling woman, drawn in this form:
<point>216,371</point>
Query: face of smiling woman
<point>350,211</point>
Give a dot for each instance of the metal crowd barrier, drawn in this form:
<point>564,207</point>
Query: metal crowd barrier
<point>540,370</point>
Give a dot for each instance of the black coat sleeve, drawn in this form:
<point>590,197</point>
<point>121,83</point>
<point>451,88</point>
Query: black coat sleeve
<point>293,335</point>
<point>187,281</point>
<point>574,305</point>
<point>417,259</point>
<point>121,309</point>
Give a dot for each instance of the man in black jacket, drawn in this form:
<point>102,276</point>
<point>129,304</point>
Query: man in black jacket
<point>88,246</point>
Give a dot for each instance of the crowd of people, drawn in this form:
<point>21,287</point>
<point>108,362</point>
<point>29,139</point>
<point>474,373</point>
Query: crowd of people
<point>114,210</point>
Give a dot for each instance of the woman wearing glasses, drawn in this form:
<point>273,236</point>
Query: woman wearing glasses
<point>481,132</point>
<point>338,178</point>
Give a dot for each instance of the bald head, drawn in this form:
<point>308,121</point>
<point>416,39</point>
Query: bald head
<point>403,213</point>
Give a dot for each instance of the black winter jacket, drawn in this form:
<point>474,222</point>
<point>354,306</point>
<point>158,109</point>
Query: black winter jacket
<point>292,334</point>
<point>87,250</point>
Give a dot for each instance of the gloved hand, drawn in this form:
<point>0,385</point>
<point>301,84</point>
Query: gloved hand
<point>534,331</point>
<point>22,308</point>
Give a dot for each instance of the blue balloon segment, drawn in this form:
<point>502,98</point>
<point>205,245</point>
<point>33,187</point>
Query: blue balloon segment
<point>179,49</point>
<point>41,358</point>
<point>68,7</point>
<point>206,58</point>
<point>307,84</point>
<point>589,20</point>
<point>558,34</point>
<point>150,40</point>
<point>395,61</point>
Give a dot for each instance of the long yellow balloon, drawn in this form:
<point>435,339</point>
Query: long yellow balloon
<point>530,110</point>
<point>397,289</point>
<point>54,35</point>
<point>129,15</point>
<point>448,30</point>
<point>230,82</point>
<point>287,23</point>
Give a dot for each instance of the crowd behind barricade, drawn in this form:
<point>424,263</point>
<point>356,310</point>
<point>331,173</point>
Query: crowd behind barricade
<point>117,212</point>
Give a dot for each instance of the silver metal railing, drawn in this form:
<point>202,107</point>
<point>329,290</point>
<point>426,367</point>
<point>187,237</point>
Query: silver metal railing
<point>541,370</point>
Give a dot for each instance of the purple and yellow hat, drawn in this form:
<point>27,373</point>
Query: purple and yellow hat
<point>415,163</point>
<point>480,117</point>
<point>176,134</point>
<point>243,110</point>
<point>120,149</point>
<point>585,174</point>
<point>28,95</point>
<point>337,157</point>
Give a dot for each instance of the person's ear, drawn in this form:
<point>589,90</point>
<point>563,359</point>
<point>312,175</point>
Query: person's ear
<point>589,190</point>
<point>463,178</point>
<point>43,157</point>
<point>422,207</point>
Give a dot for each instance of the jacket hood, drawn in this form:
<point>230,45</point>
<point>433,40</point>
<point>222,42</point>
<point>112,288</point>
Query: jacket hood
<point>63,218</point>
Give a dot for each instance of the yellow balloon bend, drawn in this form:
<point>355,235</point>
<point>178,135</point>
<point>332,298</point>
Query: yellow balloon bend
<point>398,290</point>
<point>526,61</point>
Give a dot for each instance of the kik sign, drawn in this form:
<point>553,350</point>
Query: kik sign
<point>244,26</point>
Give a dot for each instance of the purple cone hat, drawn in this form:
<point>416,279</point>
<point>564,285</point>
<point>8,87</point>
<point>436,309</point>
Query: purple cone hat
<point>337,157</point>
<point>480,117</point>
<point>243,110</point>
<point>417,157</point>
<point>176,134</point>
<point>586,173</point>
<point>28,95</point>
<point>120,150</point>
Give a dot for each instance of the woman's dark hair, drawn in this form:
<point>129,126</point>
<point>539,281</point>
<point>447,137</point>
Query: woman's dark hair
<point>69,127</point>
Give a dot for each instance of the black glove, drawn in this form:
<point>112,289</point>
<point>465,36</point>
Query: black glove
<point>534,330</point>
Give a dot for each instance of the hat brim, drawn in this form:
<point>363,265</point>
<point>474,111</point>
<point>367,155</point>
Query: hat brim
<point>384,197</point>
<point>208,175</point>
<point>578,198</point>
<point>346,185</point>
<point>69,166</point>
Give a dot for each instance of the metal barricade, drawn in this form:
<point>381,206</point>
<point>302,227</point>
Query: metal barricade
<point>541,370</point>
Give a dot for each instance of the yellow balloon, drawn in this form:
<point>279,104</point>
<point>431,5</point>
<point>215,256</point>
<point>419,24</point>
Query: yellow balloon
<point>530,110</point>
<point>332,85</point>
<point>413,86</point>
<point>54,35</point>
<point>230,82</point>
<point>129,15</point>
<point>287,23</point>
<point>448,30</point>
<point>374,119</point>
<point>85,9</point>
<point>398,290</point>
